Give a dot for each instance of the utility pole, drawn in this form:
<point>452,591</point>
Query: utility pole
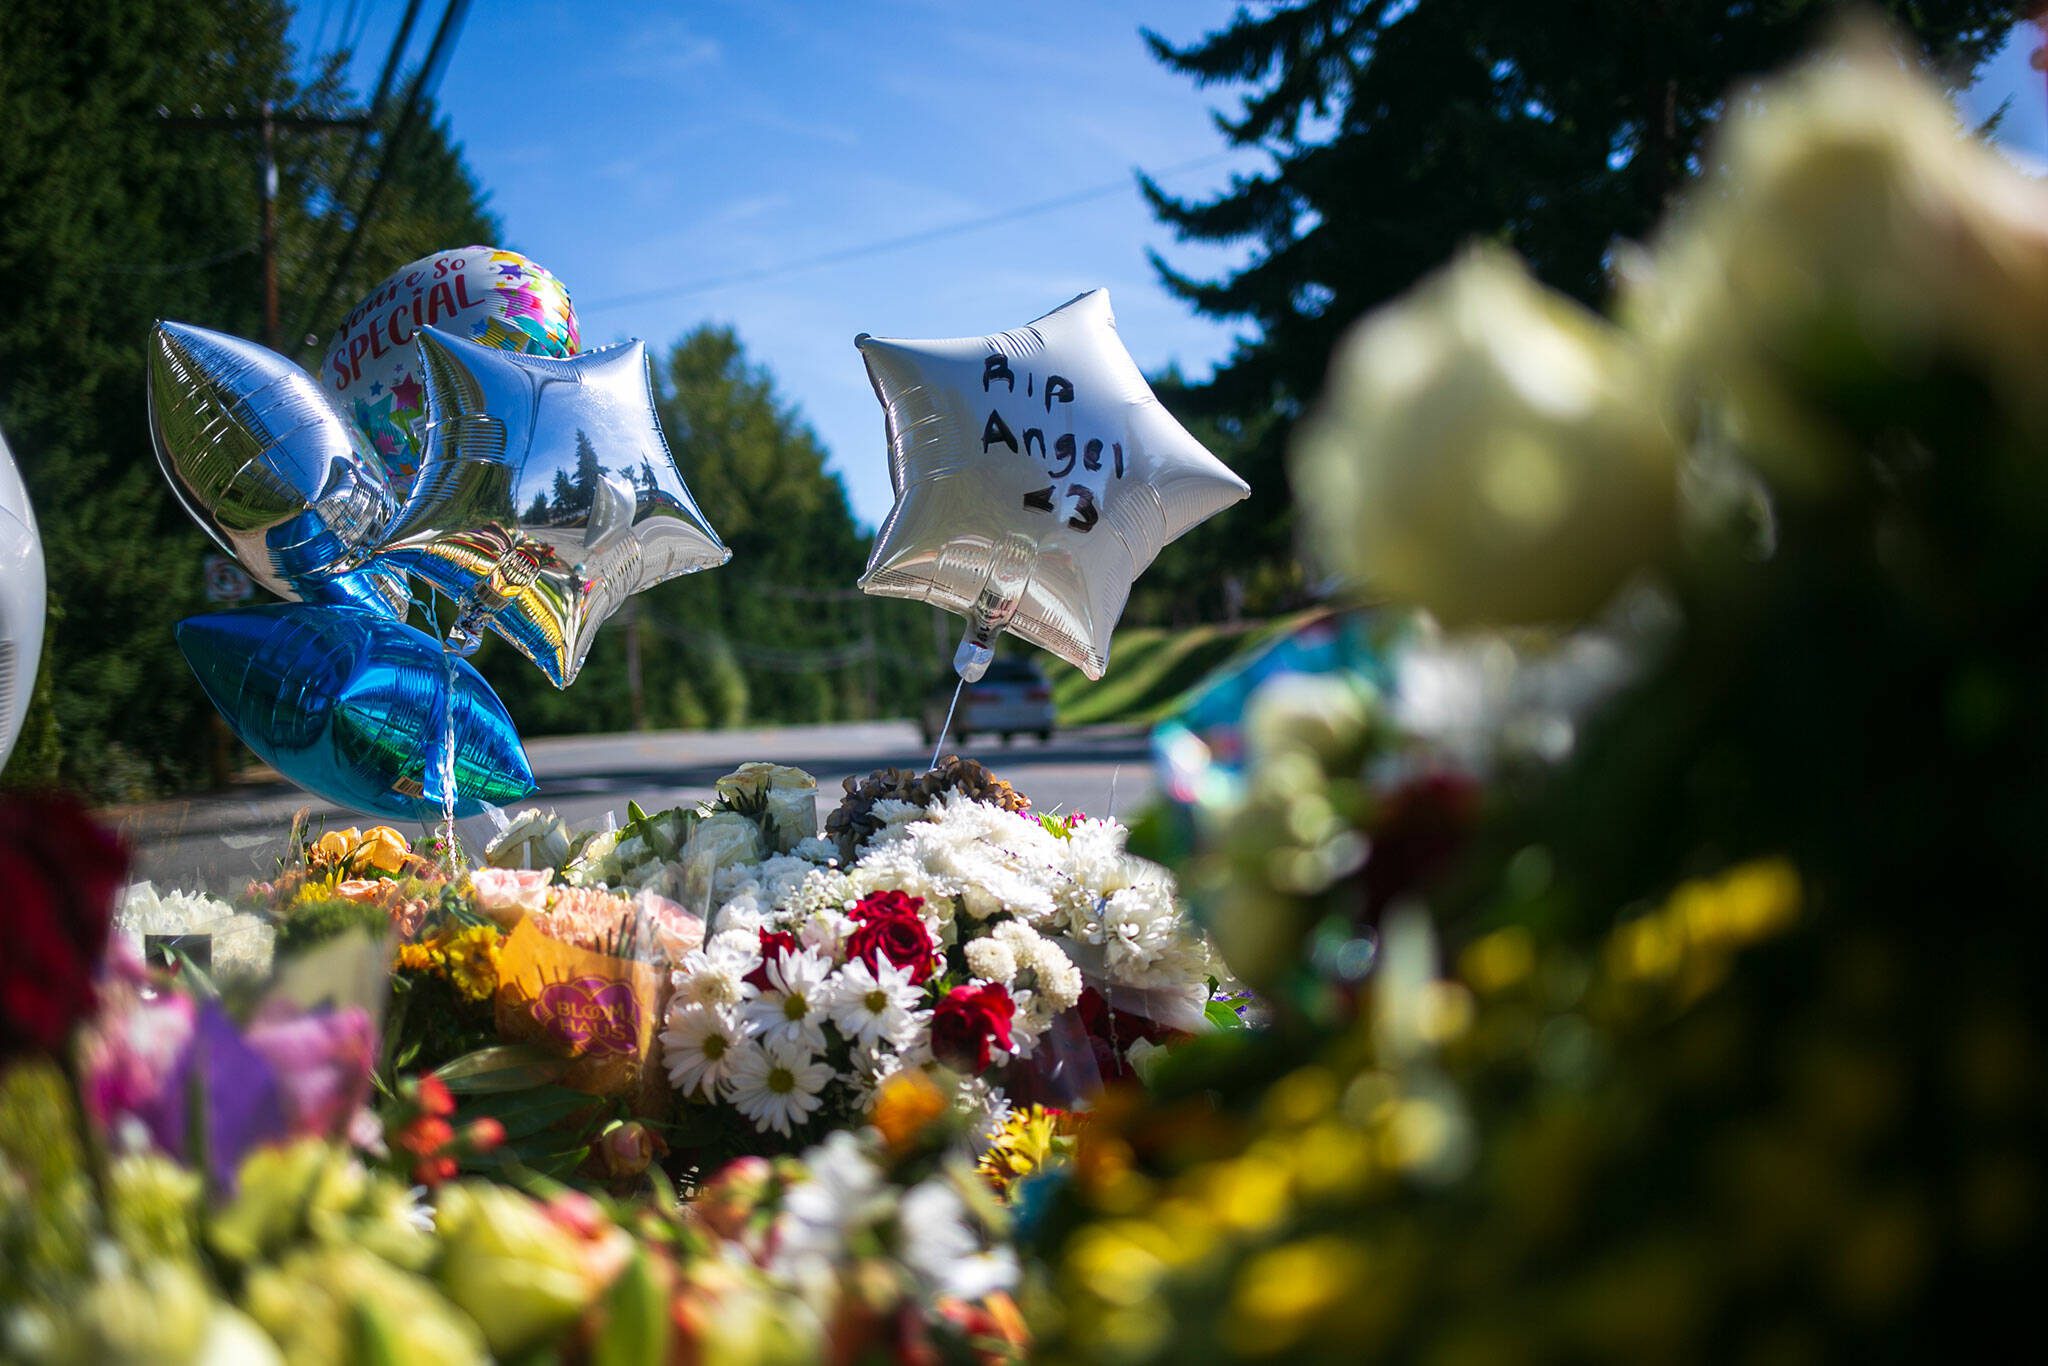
<point>266,122</point>
<point>871,670</point>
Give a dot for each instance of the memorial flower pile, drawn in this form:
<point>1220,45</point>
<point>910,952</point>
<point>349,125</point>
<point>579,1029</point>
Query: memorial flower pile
<point>962,936</point>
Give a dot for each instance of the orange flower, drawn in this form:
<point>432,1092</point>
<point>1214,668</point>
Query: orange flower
<point>905,1105</point>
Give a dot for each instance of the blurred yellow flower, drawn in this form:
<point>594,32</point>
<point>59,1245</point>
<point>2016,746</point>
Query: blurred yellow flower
<point>905,1105</point>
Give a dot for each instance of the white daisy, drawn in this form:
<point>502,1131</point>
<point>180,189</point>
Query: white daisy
<point>872,1005</point>
<point>698,1046</point>
<point>715,975</point>
<point>776,1084</point>
<point>792,1009</point>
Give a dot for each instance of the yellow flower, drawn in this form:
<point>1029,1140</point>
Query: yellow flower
<point>470,961</point>
<point>335,845</point>
<point>1028,1140</point>
<point>381,848</point>
<point>1706,919</point>
<point>425,957</point>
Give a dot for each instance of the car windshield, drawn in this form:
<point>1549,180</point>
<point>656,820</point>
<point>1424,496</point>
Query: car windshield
<point>1014,671</point>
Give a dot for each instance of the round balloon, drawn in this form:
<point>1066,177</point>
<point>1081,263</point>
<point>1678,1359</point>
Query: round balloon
<point>21,601</point>
<point>482,294</point>
<point>1036,476</point>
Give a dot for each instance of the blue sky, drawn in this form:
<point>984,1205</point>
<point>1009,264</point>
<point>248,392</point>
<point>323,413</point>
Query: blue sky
<point>640,147</point>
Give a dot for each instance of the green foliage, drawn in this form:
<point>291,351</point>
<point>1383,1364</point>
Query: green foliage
<point>313,922</point>
<point>1400,131</point>
<point>111,218</point>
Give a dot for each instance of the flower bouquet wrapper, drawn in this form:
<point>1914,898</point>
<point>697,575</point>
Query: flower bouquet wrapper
<point>721,839</point>
<point>602,1013</point>
<point>788,798</point>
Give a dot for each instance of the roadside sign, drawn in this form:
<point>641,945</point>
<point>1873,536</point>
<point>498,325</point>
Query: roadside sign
<point>225,581</point>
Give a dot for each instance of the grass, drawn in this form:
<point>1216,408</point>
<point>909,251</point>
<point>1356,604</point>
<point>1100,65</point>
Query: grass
<point>1151,668</point>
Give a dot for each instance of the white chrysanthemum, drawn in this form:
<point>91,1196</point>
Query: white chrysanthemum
<point>896,816</point>
<point>239,945</point>
<point>777,1084</point>
<point>699,1046</point>
<point>938,1245</point>
<point>793,1008</point>
<point>992,958</point>
<point>780,876</point>
<point>715,975</point>
<point>875,1005</point>
<point>1057,985</point>
<point>816,851</point>
<point>1134,927</point>
<point>899,867</point>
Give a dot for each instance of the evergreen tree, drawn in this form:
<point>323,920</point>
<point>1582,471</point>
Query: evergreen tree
<point>110,218</point>
<point>1398,130</point>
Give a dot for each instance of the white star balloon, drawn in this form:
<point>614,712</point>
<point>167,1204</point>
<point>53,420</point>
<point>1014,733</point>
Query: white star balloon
<point>1036,476</point>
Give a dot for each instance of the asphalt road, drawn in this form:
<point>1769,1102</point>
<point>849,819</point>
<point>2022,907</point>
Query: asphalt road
<point>218,842</point>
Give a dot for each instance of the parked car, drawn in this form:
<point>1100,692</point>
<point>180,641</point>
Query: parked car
<point>1013,698</point>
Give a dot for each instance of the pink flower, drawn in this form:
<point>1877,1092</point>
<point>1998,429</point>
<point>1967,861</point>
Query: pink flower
<point>502,893</point>
<point>322,1063</point>
<point>128,1058</point>
<point>676,931</point>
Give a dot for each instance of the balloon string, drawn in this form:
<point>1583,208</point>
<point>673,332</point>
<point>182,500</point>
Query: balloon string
<point>941,745</point>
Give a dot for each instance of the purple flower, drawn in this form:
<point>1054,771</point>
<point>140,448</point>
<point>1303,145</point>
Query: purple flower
<point>322,1064</point>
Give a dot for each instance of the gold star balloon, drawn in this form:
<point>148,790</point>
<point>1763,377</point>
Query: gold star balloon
<point>1036,476</point>
<point>546,496</point>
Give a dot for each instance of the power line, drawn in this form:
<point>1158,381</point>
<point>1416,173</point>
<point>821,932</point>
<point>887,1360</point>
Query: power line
<point>424,83</point>
<point>888,244</point>
<point>379,102</point>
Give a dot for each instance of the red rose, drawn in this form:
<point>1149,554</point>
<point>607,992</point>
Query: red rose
<point>968,1022</point>
<point>772,943</point>
<point>1421,827</point>
<point>888,928</point>
<point>59,873</point>
<point>886,904</point>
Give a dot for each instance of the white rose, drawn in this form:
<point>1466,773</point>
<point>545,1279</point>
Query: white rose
<point>1487,449</point>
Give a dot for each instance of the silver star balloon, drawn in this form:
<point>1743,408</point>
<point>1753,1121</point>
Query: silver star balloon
<point>264,461</point>
<point>1036,476</point>
<point>546,496</point>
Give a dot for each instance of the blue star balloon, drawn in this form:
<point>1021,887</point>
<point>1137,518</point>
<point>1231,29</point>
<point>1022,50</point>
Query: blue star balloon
<point>351,706</point>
